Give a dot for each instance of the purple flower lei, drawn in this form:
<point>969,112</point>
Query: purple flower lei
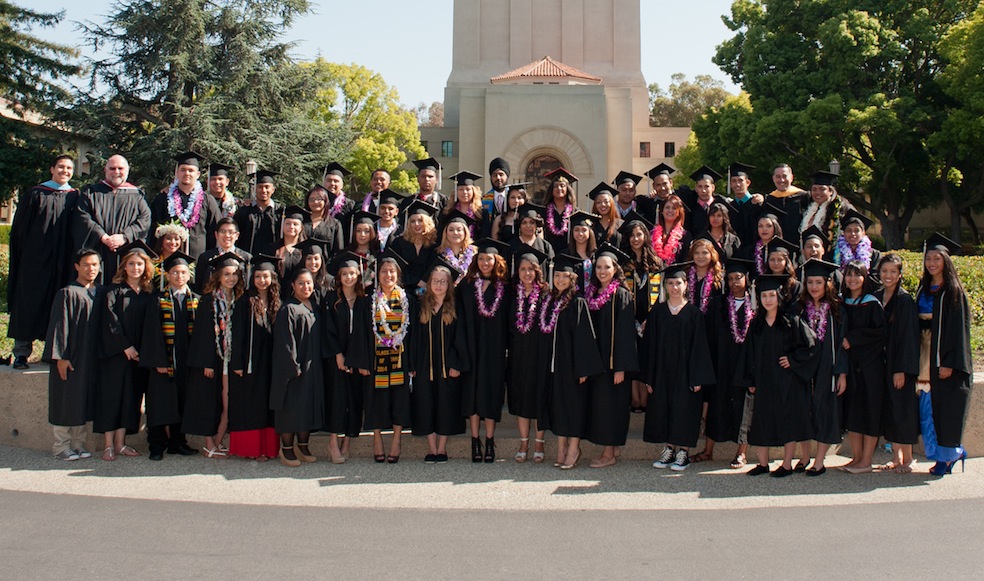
<point>817,318</point>
<point>759,258</point>
<point>488,312</point>
<point>192,214</point>
<point>597,300</point>
<point>548,325</point>
<point>736,333</point>
<point>526,317</point>
<point>336,207</point>
<point>705,293</point>
<point>843,253</point>
<point>552,225</point>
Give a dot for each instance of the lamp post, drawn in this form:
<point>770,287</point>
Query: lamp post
<point>835,166</point>
<point>251,172</point>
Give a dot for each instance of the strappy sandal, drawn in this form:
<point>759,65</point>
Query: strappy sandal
<point>128,451</point>
<point>538,457</point>
<point>109,454</point>
<point>738,462</point>
<point>213,452</point>
<point>702,457</point>
<point>521,456</point>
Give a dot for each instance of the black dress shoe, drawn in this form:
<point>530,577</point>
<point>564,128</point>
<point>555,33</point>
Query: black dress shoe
<point>20,362</point>
<point>430,459</point>
<point>489,450</point>
<point>781,472</point>
<point>799,468</point>
<point>759,469</point>
<point>816,472</point>
<point>476,450</point>
<point>156,456</point>
<point>183,450</point>
<point>441,458</point>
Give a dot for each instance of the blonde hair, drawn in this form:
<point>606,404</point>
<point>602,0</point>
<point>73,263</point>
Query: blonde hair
<point>430,300</point>
<point>476,202</point>
<point>428,238</point>
<point>146,279</point>
<point>715,266</point>
<point>464,243</point>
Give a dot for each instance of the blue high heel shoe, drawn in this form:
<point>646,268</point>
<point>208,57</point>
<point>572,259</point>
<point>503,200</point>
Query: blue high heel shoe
<point>962,458</point>
<point>939,469</point>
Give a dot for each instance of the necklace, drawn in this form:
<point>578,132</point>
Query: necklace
<point>190,215</point>
<point>547,325</point>
<point>597,300</point>
<point>668,250</point>
<point>382,313</point>
<point>817,318</point>
<point>738,334</point>
<point>565,219</point>
<point>759,258</point>
<point>526,316</point>
<point>705,291</point>
<point>844,254</point>
<point>500,290</point>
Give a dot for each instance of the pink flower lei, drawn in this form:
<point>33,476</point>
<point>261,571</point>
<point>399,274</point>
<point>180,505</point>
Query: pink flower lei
<point>668,250</point>
<point>759,258</point>
<point>336,207</point>
<point>843,253</point>
<point>596,299</point>
<point>500,290</point>
<point>552,225</point>
<point>705,292</point>
<point>736,333</point>
<point>190,215</point>
<point>548,325</point>
<point>817,318</point>
<point>526,316</point>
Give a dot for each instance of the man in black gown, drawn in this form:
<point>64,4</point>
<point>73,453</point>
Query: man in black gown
<point>259,222</point>
<point>185,200</point>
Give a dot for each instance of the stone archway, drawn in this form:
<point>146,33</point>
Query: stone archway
<point>541,149</point>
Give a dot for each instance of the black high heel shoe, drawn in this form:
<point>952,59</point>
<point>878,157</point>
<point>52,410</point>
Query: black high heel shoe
<point>489,450</point>
<point>476,450</point>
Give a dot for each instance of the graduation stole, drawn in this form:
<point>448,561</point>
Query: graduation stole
<point>167,324</point>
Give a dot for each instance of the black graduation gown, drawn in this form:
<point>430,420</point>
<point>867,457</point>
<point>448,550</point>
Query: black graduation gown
<point>297,392</point>
<point>203,405</point>
<point>349,332</point>
<point>556,241</point>
<point>73,335</point>
<point>507,232</point>
<point>730,244</point>
<point>528,363</point>
<point>40,258</point>
<point>417,263</point>
<point>609,404</point>
<point>344,215</point>
<point>258,229</point>
<point>647,207</point>
<point>950,347</point>
<point>436,199</point>
<point>865,330</point>
<point>696,221</point>
<point>744,221</point>
<point>121,383</point>
<point>644,287</point>
<point>782,396</point>
<point>573,354</point>
<point>435,400</point>
<point>328,229</point>
<point>483,386</point>
<point>102,210</point>
<point>677,358</point>
<point>166,395</point>
<point>684,250</point>
<point>201,236</point>
<point>830,361</point>
<point>900,418</point>
<point>726,400</point>
<point>538,244</point>
<point>287,268</point>
<point>388,404</point>
<point>252,347</point>
<point>794,205</point>
<point>203,271</point>
<point>601,235</point>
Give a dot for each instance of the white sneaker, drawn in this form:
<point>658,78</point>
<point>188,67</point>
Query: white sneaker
<point>681,462</point>
<point>665,458</point>
<point>67,455</point>
<point>83,453</point>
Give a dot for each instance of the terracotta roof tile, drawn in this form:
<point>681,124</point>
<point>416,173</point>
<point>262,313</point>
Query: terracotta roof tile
<point>546,67</point>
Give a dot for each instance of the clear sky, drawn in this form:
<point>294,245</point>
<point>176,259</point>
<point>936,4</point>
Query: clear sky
<point>393,37</point>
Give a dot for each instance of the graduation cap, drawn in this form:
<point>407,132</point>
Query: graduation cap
<point>293,212</point>
<point>344,259</point>
<point>393,255</point>
<point>769,210</point>
<point>678,270</point>
<point>527,252</point>
<point>390,197</point>
<point>499,163</point>
<point>824,178</point>
<point>363,217</point>
<point>739,169</point>
<point>138,246</point>
<point>580,218</point>
<point>533,211</point>
<point>314,246</point>
<point>429,163</point>
<point>770,282</point>
<point>264,176</point>
<point>630,220</point>
<point>492,246</point>
<point>610,251</point>
<point>265,262</point>
<point>191,158</point>
<point>226,259</point>
<point>661,169</point>
<point>726,205</point>
<point>177,258</point>
<point>940,243</point>
<point>218,169</point>
<point>518,186</point>
<point>854,217</point>
<point>439,262</point>
<point>602,188</point>
<point>465,178</point>
<point>705,235</point>
<point>567,263</point>
<point>814,232</point>
<point>778,243</point>
<point>561,173</point>
<point>705,173</point>
<point>741,265</point>
<point>814,267</point>
<point>460,217</point>
<point>419,206</point>
<point>626,177</point>
<point>335,168</point>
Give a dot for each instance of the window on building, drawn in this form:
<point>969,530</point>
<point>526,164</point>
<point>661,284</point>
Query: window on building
<point>669,149</point>
<point>644,149</point>
<point>447,149</point>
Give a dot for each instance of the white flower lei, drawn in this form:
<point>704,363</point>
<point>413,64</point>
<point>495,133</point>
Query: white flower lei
<point>380,306</point>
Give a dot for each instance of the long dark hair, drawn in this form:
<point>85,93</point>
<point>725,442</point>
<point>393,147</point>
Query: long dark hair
<point>858,267</point>
<point>650,262</point>
<point>830,296</point>
<point>951,282</point>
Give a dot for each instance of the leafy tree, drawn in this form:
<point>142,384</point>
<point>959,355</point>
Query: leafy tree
<point>430,115</point>
<point>382,134</point>
<point>852,80</point>
<point>213,77</point>
<point>30,71</point>
<point>685,101</point>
